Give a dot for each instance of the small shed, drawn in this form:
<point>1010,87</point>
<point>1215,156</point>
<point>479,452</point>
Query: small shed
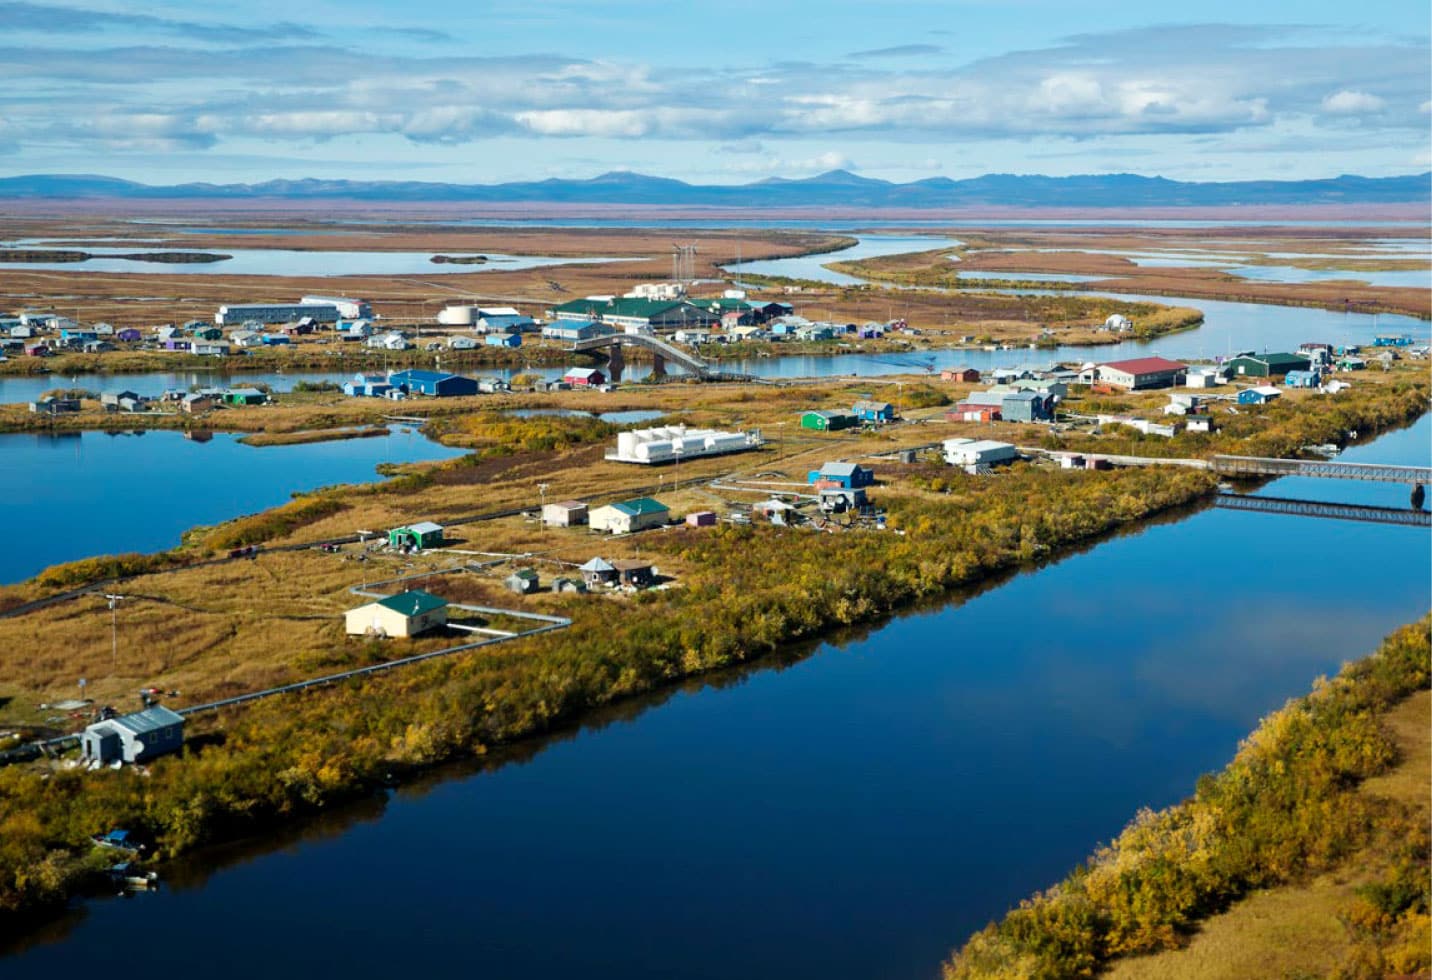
<point>966,374</point>
<point>701,518</point>
<point>504,340</point>
<point>245,396</point>
<point>634,572</point>
<point>524,581</point>
<point>139,737</point>
<point>597,572</point>
<point>564,584</point>
<point>424,534</point>
<point>566,513</point>
<point>196,404</point>
<point>1199,423</point>
<point>971,412</point>
<point>405,614</point>
<point>584,377</point>
<point>1302,379</point>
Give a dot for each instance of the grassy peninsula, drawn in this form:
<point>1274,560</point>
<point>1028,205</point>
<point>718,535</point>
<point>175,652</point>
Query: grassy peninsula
<point>1316,788</point>
<point>737,592</point>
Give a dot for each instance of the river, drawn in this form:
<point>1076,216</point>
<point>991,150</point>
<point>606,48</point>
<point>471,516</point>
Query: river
<point>71,495</point>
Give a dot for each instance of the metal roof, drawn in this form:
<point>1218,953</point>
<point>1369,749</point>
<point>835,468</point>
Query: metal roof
<point>840,469</point>
<point>416,375</point>
<point>598,565</point>
<point>412,603</point>
<point>1145,365</point>
<point>424,527</point>
<point>641,505</point>
<point>149,720</point>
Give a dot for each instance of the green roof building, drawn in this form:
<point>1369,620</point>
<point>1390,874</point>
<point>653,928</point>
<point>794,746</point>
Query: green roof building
<point>828,421</point>
<point>1266,365</point>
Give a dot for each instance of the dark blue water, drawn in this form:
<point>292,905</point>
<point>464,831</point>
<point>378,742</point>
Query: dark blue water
<point>78,494</point>
<point>855,813</point>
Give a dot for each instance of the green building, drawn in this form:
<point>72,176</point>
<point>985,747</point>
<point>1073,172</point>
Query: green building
<point>828,421</point>
<point>418,536</point>
<point>1265,365</point>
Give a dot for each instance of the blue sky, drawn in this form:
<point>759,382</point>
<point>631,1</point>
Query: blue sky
<point>716,93</point>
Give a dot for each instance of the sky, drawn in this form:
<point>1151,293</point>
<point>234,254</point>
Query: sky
<point>482,91</point>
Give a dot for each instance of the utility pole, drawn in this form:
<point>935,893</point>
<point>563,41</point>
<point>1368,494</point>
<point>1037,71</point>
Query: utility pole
<point>113,630</point>
<point>542,518</point>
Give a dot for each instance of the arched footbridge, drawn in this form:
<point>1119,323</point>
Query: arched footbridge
<point>663,353</point>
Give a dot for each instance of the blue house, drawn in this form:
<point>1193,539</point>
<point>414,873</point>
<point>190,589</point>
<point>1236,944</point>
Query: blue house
<point>504,340</point>
<point>433,383</point>
<point>850,476</point>
<point>869,411</point>
<point>1258,396</point>
<point>1302,379</point>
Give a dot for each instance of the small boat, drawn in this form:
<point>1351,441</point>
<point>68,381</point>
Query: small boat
<point>130,877</point>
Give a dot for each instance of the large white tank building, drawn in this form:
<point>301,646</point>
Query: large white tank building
<point>669,443</point>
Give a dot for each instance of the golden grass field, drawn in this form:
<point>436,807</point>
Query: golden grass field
<point>1298,930</point>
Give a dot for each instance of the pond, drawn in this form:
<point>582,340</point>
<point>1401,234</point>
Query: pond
<point>288,262</point>
<point>73,495</point>
<point>854,810</point>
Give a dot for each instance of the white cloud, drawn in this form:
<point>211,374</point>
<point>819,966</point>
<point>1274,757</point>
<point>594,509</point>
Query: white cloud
<point>1349,102</point>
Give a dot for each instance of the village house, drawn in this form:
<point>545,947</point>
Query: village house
<point>1139,373</point>
<point>435,384</point>
<point>1266,365</point>
<point>598,572</point>
<point>847,475</point>
<point>416,537</point>
<point>967,375</point>
<point>1258,396</point>
<point>828,421</point>
<point>584,377</point>
<point>405,614</point>
<point>872,411</point>
<point>134,738</point>
<point>975,453</point>
<point>628,516</point>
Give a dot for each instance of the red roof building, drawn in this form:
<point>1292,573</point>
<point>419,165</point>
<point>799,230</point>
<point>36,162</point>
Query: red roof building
<point>1138,373</point>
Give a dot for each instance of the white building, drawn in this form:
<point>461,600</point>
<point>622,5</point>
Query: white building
<point>348,309</point>
<point>973,453</point>
<point>658,290</point>
<point>672,443</point>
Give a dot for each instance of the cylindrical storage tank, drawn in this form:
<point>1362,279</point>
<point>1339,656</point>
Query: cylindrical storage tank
<point>457,316</point>
<point>626,443</point>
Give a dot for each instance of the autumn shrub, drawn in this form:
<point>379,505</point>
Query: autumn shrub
<point>1284,806</point>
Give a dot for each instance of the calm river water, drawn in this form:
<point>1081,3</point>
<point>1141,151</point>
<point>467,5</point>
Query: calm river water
<point>850,811</point>
<point>78,494</point>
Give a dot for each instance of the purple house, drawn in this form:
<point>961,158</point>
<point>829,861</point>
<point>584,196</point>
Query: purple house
<point>127,334</point>
<point>178,343</point>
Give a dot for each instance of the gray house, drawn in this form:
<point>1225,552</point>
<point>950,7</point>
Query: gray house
<point>523,581</point>
<point>139,737</point>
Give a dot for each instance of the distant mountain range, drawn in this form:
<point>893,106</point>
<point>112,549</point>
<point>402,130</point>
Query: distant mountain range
<point>836,188</point>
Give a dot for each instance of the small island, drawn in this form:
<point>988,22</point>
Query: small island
<point>459,259</point>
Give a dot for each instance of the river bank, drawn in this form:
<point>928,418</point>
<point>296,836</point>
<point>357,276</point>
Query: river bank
<point>752,589</point>
<point>1285,809</point>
